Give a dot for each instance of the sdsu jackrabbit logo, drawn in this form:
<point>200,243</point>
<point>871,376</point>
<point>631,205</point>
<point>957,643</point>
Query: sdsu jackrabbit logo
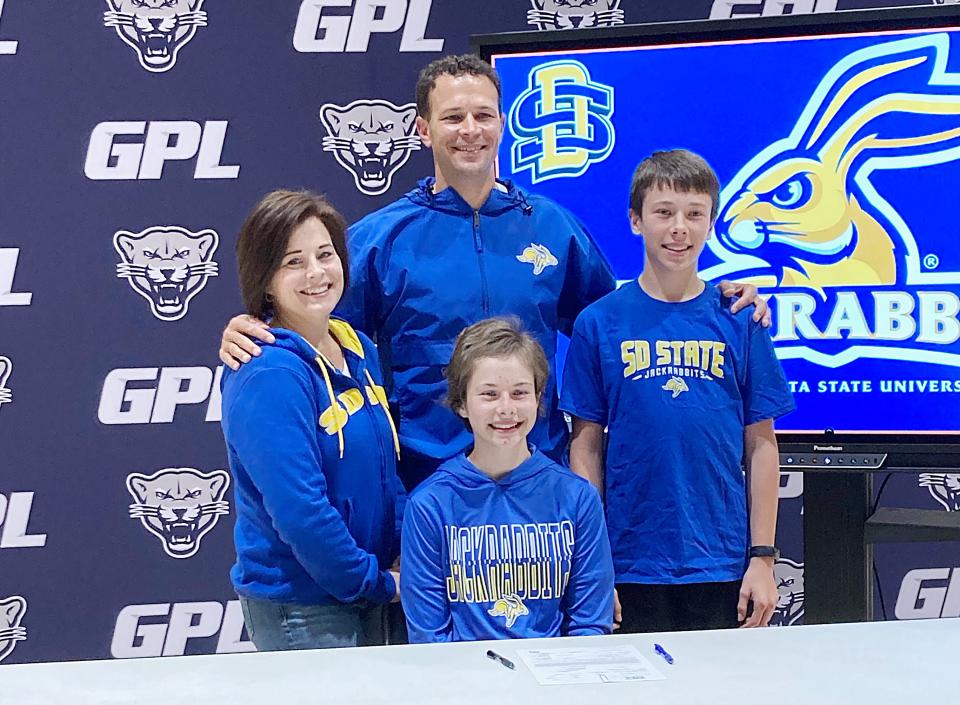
<point>572,14</point>
<point>179,506</point>
<point>371,139</point>
<point>156,29</point>
<point>12,610</point>
<point>807,214</point>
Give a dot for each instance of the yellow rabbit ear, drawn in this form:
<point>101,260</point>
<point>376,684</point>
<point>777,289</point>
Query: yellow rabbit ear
<point>852,86</point>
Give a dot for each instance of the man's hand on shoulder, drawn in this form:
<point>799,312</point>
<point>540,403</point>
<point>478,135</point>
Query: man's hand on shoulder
<point>236,344</point>
<point>748,295</point>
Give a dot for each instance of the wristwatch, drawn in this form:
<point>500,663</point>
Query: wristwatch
<point>764,552</point>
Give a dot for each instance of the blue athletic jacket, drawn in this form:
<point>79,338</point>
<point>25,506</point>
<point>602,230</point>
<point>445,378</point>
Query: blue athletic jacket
<point>523,556</point>
<point>428,265</point>
<point>315,484</point>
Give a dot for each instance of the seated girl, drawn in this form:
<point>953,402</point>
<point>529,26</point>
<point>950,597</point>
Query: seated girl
<point>501,542</point>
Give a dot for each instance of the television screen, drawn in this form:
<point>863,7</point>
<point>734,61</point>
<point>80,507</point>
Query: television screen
<point>837,144</point>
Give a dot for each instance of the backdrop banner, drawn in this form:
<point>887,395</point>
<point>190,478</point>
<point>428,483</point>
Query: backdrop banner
<point>135,135</point>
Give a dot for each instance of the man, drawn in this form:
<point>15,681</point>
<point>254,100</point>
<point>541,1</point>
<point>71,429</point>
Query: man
<point>460,247</point>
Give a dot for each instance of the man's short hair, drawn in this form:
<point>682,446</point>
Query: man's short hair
<point>452,66</point>
<point>264,237</point>
<point>498,338</point>
<point>678,169</point>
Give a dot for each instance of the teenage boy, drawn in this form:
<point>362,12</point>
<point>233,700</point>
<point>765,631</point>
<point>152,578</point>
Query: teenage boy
<point>460,247</point>
<point>688,392</point>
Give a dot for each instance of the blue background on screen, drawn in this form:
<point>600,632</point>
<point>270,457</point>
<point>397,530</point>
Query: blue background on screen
<point>730,103</point>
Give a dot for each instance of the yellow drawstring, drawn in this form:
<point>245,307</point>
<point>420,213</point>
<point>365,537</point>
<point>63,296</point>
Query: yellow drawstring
<point>334,402</point>
<point>386,410</point>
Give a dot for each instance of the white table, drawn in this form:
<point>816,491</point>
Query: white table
<point>906,663</point>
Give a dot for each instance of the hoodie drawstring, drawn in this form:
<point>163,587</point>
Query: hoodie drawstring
<point>386,410</point>
<point>334,402</point>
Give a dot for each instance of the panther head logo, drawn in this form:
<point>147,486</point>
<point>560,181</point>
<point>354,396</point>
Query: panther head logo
<point>372,139</point>
<point>12,610</point>
<point>944,487</point>
<point>167,265</point>
<point>510,607</point>
<point>6,367</point>
<point>539,256</point>
<point>156,29</point>
<point>179,506</point>
<point>573,14</point>
<point>789,578</point>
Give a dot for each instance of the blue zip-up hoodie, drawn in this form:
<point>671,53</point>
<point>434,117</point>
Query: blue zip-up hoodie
<point>315,485</point>
<point>428,265</point>
<point>523,556</point>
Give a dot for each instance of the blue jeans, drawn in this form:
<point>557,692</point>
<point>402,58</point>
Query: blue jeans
<point>279,626</point>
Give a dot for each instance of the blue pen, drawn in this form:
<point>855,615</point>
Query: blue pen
<point>663,652</point>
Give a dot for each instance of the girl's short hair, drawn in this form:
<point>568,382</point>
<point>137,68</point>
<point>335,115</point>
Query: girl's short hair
<point>493,337</point>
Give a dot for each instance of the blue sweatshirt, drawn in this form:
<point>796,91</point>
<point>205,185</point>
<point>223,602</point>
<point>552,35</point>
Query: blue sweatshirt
<point>523,556</point>
<point>315,485</point>
<point>428,265</point>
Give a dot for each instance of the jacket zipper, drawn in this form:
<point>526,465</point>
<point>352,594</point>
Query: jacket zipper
<point>478,243</point>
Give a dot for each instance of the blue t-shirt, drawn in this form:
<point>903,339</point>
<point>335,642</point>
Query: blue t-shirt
<point>675,383</point>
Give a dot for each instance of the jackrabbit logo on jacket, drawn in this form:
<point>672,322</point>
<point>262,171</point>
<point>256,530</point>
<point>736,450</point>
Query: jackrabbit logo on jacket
<point>818,212</point>
<point>574,14</point>
<point>167,265</point>
<point>561,123</point>
<point>179,506</point>
<point>12,610</point>
<point>371,139</point>
<point>156,29</point>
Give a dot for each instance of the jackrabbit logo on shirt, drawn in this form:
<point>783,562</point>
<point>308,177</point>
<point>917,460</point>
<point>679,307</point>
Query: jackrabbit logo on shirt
<point>818,212</point>
<point>156,29</point>
<point>12,610</point>
<point>179,506</point>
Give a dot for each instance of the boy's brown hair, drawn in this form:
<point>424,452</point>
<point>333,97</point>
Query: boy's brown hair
<point>678,169</point>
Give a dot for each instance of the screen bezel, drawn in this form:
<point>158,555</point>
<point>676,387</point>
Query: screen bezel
<point>928,445</point>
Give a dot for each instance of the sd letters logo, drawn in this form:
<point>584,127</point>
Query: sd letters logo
<point>6,367</point>
<point>561,122</point>
<point>167,265</point>
<point>179,506</point>
<point>371,139</point>
<point>804,214</point>
<point>789,578</point>
<point>944,488</point>
<point>12,610</point>
<point>156,29</point>
<point>573,14</point>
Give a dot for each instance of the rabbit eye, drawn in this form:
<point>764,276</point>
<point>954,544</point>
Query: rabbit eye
<point>792,193</point>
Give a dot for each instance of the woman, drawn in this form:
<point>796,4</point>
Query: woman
<point>310,441</point>
<point>501,542</point>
